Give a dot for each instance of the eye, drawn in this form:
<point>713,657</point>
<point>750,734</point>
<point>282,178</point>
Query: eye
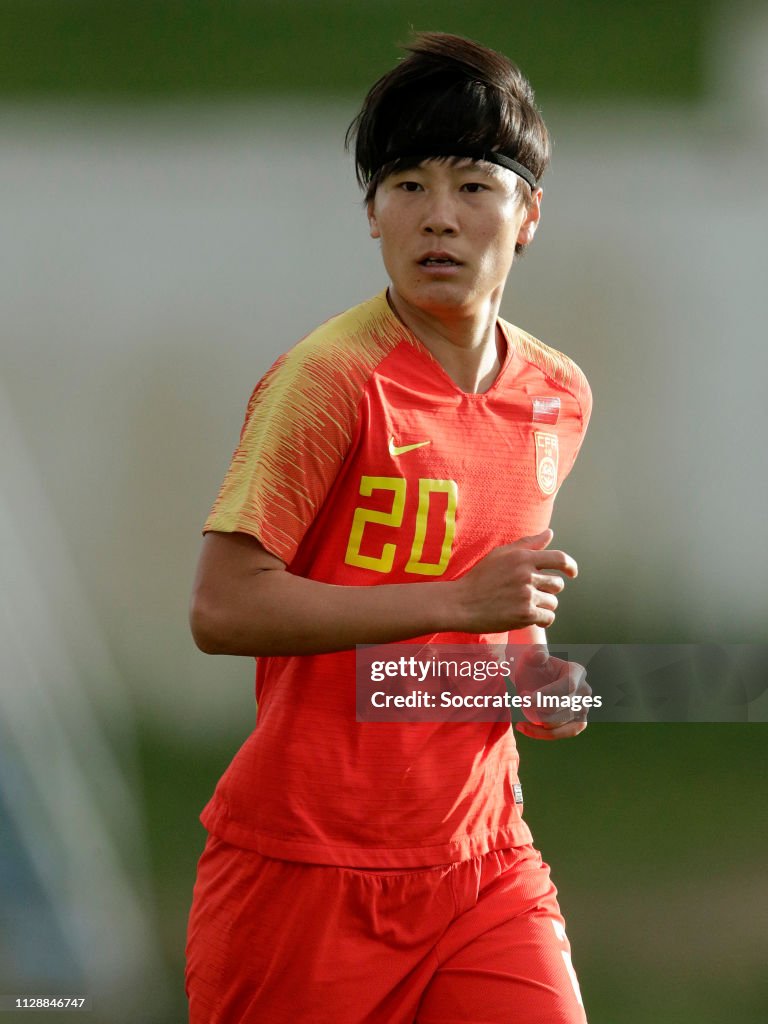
<point>409,186</point>
<point>474,187</point>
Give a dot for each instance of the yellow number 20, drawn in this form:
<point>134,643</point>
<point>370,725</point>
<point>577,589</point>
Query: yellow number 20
<point>383,563</point>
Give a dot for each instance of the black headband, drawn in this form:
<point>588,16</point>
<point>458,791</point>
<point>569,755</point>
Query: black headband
<point>491,158</point>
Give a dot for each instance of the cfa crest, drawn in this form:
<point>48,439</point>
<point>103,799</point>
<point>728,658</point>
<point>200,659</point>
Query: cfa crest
<point>547,452</point>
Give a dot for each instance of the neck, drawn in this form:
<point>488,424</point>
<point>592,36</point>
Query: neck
<point>469,347</point>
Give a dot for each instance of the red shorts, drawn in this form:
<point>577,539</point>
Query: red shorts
<point>480,941</point>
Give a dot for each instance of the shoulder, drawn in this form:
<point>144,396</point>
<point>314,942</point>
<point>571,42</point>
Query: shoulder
<point>348,346</point>
<point>315,387</point>
<point>557,367</point>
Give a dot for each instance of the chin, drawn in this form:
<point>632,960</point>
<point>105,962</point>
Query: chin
<point>448,294</point>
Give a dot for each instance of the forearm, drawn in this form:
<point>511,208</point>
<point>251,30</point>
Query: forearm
<point>245,601</point>
<point>277,613</point>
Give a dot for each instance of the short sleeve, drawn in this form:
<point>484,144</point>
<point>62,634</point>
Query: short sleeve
<point>583,394</point>
<point>298,427</point>
<point>300,423</point>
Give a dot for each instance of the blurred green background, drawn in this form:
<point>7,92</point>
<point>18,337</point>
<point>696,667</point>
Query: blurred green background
<point>178,210</point>
<point>200,48</point>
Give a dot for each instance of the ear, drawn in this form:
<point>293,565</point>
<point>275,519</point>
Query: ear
<point>373,224</point>
<point>531,220</point>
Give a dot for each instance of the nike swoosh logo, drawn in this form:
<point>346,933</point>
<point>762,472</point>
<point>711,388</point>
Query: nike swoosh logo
<point>394,450</point>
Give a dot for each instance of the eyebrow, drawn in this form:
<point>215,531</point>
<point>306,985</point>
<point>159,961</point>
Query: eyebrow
<point>458,163</point>
<point>506,179</point>
<point>484,167</point>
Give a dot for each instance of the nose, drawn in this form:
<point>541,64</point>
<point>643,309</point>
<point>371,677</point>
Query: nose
<point>440,215</point>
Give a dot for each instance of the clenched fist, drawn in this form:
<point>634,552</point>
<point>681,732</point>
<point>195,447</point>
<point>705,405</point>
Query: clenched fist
<point>514,586</point>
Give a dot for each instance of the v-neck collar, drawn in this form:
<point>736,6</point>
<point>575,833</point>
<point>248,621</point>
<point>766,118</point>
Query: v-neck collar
<point>422,350</point>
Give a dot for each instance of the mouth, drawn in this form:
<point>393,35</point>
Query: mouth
<point>439,259</point>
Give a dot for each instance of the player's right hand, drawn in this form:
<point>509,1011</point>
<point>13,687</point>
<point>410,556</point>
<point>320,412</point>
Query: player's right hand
<point>514,586</point>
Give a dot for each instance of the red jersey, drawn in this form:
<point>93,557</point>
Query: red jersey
<point>361,462</point>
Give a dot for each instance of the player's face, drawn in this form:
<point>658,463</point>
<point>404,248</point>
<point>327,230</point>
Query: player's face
<point>448,233</point>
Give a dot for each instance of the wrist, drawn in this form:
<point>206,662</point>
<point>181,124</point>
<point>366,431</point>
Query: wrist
<point>451,615</point>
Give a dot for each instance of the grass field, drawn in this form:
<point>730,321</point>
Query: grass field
<point>151,48</point>
<point>656,836</point>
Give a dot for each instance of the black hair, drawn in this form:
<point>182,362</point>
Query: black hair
<point>449,97</point>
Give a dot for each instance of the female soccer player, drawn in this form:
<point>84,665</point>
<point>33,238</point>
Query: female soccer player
<point>394,480</point>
